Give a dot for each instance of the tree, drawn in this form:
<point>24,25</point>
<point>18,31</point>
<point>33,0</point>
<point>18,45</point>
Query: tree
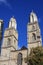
<point>35,57</point>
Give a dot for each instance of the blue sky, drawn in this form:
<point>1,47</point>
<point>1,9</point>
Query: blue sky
<point>21,10</point>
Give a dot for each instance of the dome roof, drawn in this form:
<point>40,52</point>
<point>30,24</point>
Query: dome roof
<point>33,17</point>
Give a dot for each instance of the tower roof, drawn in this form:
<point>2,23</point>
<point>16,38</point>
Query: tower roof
<point>13,19</point>
<point>33,17</point>
<point>23,48</point>
<point>12,23</point>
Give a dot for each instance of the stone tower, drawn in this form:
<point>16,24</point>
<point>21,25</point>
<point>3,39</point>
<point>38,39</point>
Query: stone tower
<point>1,29</point>
<point>33,32</point>
<point>10,40</point>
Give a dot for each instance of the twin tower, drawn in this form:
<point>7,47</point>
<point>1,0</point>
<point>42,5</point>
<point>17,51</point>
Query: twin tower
<point>33,34</point>
<point>10,55</point>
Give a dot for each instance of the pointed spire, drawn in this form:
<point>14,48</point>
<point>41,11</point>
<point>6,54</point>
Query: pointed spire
<point>32,11</point>
<point>33,17</point>
<point>12,23</point>
<point>12,16</point>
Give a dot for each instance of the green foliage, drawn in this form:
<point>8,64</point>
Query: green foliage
<point>36,56</point>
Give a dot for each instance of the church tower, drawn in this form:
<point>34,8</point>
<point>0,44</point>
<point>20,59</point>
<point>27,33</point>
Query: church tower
<point>33,32</point>
<point>1,29</point>
<point>10,40</point>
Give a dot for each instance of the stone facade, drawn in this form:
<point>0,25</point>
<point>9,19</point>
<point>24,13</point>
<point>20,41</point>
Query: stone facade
<point>1,29</point>
<point>33,32</point>
<point>10,55</point>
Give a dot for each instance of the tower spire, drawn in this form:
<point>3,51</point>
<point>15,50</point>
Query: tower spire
<point>33,32</point>
<point>12,23</point>
<point>33,17</point>
<point>32,10</point>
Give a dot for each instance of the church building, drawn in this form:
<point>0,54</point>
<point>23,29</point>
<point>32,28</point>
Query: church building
<point>10,55</point>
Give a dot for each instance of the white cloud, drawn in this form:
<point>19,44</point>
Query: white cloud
<point>5,3</point>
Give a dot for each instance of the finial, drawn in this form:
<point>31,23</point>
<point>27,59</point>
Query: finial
<point>12,16</point>
<point>32,11</point>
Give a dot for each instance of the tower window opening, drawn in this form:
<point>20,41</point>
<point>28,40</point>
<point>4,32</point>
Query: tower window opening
<point>32,18</point>
<point>33,28</point>
<point>19,59</point>
<point>34,36</point>
<point>38,36</point>
<point>9,42</point>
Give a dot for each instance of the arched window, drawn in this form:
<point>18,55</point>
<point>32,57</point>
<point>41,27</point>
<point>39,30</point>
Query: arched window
<point>19,59</point>
<point>9,42</point>
<point>33,27</point>
<point>33,36</point>
<point>32,18</point>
